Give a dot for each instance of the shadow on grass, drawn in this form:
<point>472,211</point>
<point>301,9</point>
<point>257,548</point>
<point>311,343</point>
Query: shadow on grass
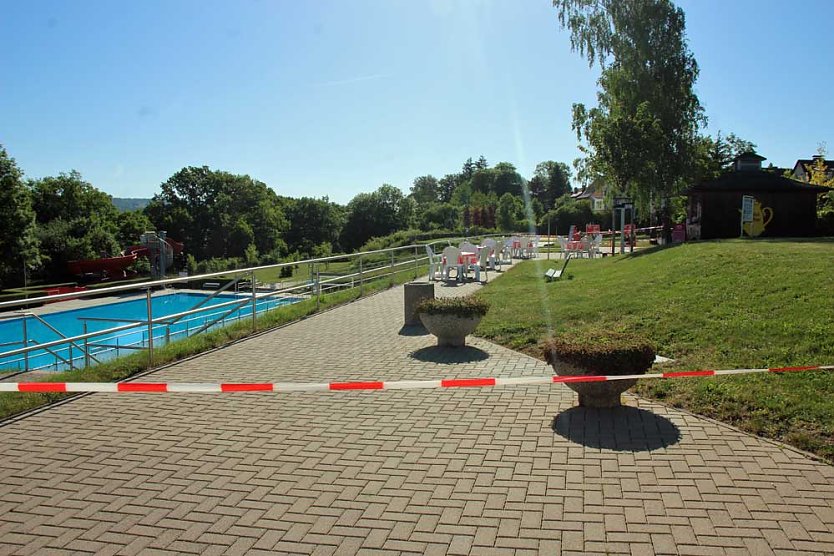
<point>814,239</point>
<point>647,251</point>
<point>627,429</point>
<point>413,330</point>
<point>437,354</point>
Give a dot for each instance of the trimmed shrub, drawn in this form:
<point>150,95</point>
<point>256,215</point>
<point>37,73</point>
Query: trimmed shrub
<point>468,306</point>
<point>610,353</point>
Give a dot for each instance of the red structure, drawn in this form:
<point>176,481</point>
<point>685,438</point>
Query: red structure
<point>108,267</point>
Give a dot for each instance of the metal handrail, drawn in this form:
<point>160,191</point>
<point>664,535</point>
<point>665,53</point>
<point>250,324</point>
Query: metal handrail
<point>313,287</point>
<point>206,326</point>
<point>132,325</point>
<point>178,280</point>
<point>61,334</point>
<point>53,352</point>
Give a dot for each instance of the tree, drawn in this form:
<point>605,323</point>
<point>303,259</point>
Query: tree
<point>407,213</point>
<point>574,213</point>
<point>374,215</point>
<point>440,215</point>
<point>217,214</point>
<point>468,169</point>
<point>425,190</point>
<point>482,181</point>
<point>507,180</point>
<point>715,156</point>
<point>75,221</point>
<point>818,173</point>
<point>642,135</point>
<point>447,186</point>
<point>550,181</point>
<point>313,222</point>
<point>462,195</point>
<point>510,211</point>
<point>132,224</point>
<point>18,239</point>
<point>68,196</point>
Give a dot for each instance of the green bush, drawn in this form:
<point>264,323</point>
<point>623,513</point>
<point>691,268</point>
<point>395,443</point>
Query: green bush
<point>468,306</point>
<point>602,353</point>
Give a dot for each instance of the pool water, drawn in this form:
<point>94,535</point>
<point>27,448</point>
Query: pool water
<point>113,344</point>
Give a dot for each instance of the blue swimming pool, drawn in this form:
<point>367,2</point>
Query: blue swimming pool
<point>113,344</point>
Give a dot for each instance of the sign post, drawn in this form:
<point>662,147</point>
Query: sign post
<point>622,204</point>
<point>746,211</point>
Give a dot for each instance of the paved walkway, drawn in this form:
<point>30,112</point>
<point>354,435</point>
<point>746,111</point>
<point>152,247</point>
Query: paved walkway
<point>468,471</point>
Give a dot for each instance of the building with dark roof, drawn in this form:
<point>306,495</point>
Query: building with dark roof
<point>800,169</point>
<point>782,207</point>
<point>594,194</point>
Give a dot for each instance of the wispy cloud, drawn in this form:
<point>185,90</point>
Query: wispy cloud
<point>352,80</point>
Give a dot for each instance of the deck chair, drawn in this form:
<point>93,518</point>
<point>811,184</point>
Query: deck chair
<point>585,242</point>
<point>434,264</point>
<point>506,251</point>
<point>595,245</point>
<point>533,247</point>
<point>517,246</point>
<point>493,257</point>
<point>553,274</point>
<point>451,259</point>
<point>563,243</point>
<point>468,246</point>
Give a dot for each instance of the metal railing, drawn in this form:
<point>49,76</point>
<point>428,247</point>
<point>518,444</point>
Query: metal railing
<point>354,270</point>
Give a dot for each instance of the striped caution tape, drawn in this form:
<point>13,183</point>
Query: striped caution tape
<point>185,387</point>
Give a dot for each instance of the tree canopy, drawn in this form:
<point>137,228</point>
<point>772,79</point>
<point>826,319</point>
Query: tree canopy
<point>642,134</point>
<point>550,181</point>
<point>313,223</point>
<point>75,221</point>
<point>218,214</point>
<point>226,220</point>
<point>18,240</point>
<point>376,214</point>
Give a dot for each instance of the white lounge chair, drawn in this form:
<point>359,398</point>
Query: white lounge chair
<point>596,242</point>
<point>517,246</point>
<point>451,259</point>
<point>563,243</point>
<point>434,264</point>
<point>507,250</point>
<point>493,257</point>
<point>533,246</point>
<point>586,246</point>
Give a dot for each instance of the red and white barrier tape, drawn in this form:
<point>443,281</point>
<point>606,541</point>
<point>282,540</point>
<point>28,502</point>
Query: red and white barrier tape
<point>186,387</point>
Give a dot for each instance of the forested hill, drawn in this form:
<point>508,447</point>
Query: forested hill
<point>125,204</point>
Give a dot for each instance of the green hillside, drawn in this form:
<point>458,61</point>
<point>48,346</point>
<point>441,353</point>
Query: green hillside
<point>125,204</point>
<point>716,305</point>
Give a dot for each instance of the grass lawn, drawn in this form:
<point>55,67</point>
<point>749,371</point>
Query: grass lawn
<point>713,305</point>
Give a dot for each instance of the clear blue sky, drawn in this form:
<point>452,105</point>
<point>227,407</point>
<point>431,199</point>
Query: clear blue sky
<point>334,98</point>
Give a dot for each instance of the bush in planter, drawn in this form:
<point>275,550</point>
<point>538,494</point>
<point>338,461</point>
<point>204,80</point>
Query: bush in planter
<point>461,306</point>
<point>451,319</point>
<point>607,353</point>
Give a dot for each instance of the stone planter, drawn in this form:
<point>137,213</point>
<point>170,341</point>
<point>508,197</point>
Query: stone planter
<point>616,354</point>
<point>451,330</point>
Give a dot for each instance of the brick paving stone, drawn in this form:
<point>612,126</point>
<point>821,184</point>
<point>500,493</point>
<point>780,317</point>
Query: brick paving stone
<point>469,471</point>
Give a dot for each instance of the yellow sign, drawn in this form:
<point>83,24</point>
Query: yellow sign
<point>761,218</point>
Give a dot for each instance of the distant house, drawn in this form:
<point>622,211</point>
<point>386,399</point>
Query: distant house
<point>782,207</point>
<point>800,169</point>
<point>594,194</point>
